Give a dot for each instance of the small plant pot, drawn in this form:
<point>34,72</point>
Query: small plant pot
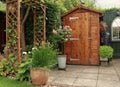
<point>103,59</point>
<point>39,76</point>
<point>62,62</point>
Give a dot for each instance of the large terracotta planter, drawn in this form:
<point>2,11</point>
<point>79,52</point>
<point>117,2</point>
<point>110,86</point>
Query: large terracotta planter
<point>39,76</point>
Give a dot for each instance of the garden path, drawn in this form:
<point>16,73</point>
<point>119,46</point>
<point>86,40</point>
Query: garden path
<point>105,75</point>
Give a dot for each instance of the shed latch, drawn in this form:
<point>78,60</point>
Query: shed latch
<point>74,38</point>
<point>90,38</point>
<point>74,59</point>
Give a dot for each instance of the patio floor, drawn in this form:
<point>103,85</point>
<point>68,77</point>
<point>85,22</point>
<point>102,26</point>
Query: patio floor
<point>105,75</point>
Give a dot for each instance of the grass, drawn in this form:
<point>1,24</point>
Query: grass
<point>6,82</point>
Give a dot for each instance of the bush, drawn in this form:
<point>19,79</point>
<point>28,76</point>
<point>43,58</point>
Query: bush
<point>44,56</point>
<point>106,51</point>
<point>24,70</point>
<point>9,68</point>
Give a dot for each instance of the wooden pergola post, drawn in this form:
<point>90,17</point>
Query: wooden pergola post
<point>44,23</point>
<point>18,27</point>
<point>13,22</point>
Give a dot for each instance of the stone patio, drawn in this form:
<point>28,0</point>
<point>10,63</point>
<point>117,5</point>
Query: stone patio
<point>105,75</point>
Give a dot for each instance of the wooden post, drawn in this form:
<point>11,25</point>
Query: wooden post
<point>18,27</point>
<point>44,24</point>
<point>7,27</point>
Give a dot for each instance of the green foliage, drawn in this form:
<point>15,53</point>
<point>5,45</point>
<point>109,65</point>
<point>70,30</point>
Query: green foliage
<point>6,82</point>
<point>106,51</point>
<point>69,4</point>
<point>24,70</point>
<point>53,17</point>
<point>12,36</point>
<point>2,7</point>
<point>3,63</point>
<point>90,3</point>
<point>44,56</point>
<point>9,68</point>
<point>111,9</point>
<point>60,36</point>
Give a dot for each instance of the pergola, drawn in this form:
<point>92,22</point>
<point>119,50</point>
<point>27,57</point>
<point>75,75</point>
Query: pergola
<point>13,24</point>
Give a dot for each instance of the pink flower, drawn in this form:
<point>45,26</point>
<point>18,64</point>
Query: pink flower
<point>54,31</point>
<point>60,27</point>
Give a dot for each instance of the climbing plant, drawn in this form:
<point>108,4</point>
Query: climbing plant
<point>15,24</point>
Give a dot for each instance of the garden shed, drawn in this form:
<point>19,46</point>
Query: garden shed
<point>83,46</point>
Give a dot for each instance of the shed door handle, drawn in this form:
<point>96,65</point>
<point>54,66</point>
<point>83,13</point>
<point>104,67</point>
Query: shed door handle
<point>90,38</point>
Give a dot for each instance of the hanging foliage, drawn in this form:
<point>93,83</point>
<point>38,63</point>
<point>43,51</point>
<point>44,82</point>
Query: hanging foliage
<point>53,17</point>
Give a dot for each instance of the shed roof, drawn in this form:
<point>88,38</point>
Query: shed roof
<point>81,7</point>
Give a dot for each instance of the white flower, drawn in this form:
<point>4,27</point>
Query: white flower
<point>34,48</point>
<point>24,53</point>
<point>29,52</point>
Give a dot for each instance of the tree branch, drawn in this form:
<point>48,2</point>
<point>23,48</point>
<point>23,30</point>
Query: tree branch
<point>26,15</point>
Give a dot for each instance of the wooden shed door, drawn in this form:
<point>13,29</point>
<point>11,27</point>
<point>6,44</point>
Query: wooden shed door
<point>77,48</point>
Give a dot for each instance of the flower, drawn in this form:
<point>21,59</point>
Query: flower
<point>62,34</point>
<point>54,31</point>
<point>24,53</point>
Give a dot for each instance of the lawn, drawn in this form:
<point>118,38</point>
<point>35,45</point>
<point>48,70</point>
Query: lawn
<point>5,82</point>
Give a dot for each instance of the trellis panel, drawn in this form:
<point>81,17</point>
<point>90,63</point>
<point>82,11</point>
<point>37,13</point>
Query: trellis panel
<point>39,27</point>
<point>13,23</point>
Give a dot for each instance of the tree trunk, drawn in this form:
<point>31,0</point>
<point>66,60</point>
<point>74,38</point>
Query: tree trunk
<point>23,44</point>
<point>23,18</point>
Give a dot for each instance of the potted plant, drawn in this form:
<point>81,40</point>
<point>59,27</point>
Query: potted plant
<point>106,53</point>
<point>62,35</point>
<point>43,58</point>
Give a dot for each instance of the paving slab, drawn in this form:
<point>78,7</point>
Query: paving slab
<point>107,83</point>
<point>110,77</point>
<point>85,82</point>
<point>107,70</point>
<point>88,76</point>
<point>91,70</point>
<point>63,80</point>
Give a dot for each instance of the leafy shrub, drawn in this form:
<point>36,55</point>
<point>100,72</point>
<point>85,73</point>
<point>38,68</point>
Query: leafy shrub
<point>106,52</point>
<point>9,68</point>
<point>3,64</point>
<point>44,56</point>
<point>24,70</point>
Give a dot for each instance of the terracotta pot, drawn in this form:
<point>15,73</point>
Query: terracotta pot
<point>39,76</point>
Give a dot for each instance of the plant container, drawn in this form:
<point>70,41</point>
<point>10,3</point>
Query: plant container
<point>62,62</point>
<point>39,76</point>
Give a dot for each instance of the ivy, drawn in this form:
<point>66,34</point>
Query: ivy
<point>12,37</point>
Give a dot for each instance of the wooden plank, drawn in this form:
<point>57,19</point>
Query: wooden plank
<point>95,42</point>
